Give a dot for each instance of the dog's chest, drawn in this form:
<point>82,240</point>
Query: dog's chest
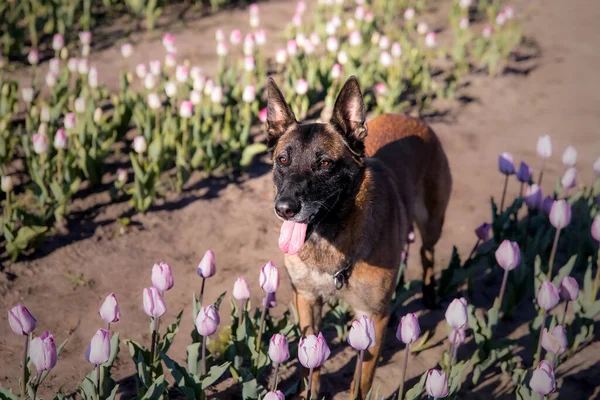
<point>309,278</point>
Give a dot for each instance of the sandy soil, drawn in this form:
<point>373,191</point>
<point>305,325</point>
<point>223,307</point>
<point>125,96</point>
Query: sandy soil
<point>556,93</point>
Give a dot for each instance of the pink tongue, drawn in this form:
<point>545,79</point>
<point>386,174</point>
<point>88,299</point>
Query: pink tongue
<point>291,237</point>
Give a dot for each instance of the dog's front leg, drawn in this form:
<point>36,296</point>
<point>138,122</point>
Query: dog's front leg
<point>309,309</point>
<point>370,359</point>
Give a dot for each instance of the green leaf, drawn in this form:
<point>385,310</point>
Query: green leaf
<point>415,392</point>
<point>214,374</point>
<point>193,358</point>
<point>564,270</point>
<point>188,384</point>
<point>7,394</point>
<point>156,390</point>
<point>169,335</point>
<point>251,151</point>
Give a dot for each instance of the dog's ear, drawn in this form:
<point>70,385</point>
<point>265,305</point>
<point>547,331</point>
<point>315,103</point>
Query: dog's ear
<point>279,114</point>
<point>349,116</point>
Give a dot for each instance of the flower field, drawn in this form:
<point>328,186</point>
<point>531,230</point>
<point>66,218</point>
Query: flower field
<point>64,132</point>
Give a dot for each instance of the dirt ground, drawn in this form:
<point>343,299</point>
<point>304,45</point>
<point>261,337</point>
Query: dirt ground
<point>557,94</point>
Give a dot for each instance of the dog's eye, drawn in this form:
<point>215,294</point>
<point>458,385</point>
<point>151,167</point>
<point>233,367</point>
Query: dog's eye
<point>325,163</point>
<point>283,160</point>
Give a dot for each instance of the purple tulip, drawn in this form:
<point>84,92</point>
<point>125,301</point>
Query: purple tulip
<point>596,167</point>
<point>362,333</point>
<point>508,255</point>
<point>569,157</point>
<point>42,352</point>
<point>533,197</point>
<point>109,311</point>
<point>154,305</point>
<point>437,384</point>
<point>456,314</point>
<point>20,320</point>
<point>207,266</point>
<point>506,164</point>
<point>542,381</point>
<point>596,227</point>
<point>276,395</point>
<point>569,179</point>
<point>278,348</point>
<point>98,351</point>
<point>548,296</point>
<point>162,277</point>
<point>207,320</point>
<point>525,173</point>
<point>483,231</point>
<point>409,329</point>
<point>241,291</point>
<point>569,289</point>
<point>560,214</point>
<point>269,277</point>
<point>555,342</point>
<point>313,351</point>
<point>547,204</point>
<point>270,300</point>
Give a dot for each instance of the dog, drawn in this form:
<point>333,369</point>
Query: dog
<point>347,201</point>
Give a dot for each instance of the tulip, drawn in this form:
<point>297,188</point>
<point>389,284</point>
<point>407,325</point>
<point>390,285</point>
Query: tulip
<point>83,66</point>
<point>483,234</point>
<point>43,352</point>
<point>207,322</point>
<point>199,84</point>
<point>409,14</point>
<point>33,57</point>
<point>422,28</point>
<point>437,384</point>
<point>45,115</point>
<point>332,44</point>
<point>6,184</point>
<point>506,166</point>
<point>181,73</point>
<point>533,197</point>
<point>596,167</point>
<point>168,42</point>
<point>560,217</point>
<point>457,337</point>
<point>126,50</point>
<point>162,277</point>
<point>408,332</point>
<point>154,307</point>
<point>60,139</point>
<point>153,102</point>
<point>58,42</point>
<point>544,151</point>
<point>262,115</point>
<point>369,17</point>
<point>249,94</point>
<point>355,39</point>
<point>547,299</point>
<point>155,67</point>
<point>569,157</point>
<point>385,59</point>
<point>27,94</point>
<point>261,37</point>
<point>464,4</point>
<point>396,50</point>
<point>463,23</point>
<point>336,71</point>
<point>109,311</point>
<point>216,95</point>
<point>509,12</point>
<point>249,64</point>
<point>547,204</point>
<point>121,175</point>
<point>281,56</point>
<point>149,81</point>
<point>170,61</point>
<point>342,57</point>
<point>380,89</point>
<point>508,256</point>
<point>236,37</point>
<point>98,351</point>
<point>430,40</point>
<point>79,105</point>
<point>301,39</point>
<point>85,37</point>
<point>384,43</point>
<point>568,291</point>
<point>171,89</point>
<point>139,144</point>
<point>276,395</point>
<point>278,353</point>
<point>542,381</point>
<point>361,337</point>
<point>141,71</point>
<point>54,66</point>
<point>69,121</point>
<point>249,45</point>
<point>40,143</point>
<point>73,64</point>
<point>555,342</point>
<point>186,109</point>
<point>93,77</point>
<point>269,282</point>
<point>524,175</point>
<point>50,79</point>
<point>500,18</point>
<point>569,179</point>
<point>487,32</point>
<point>20,320</point>
<point>456,314</point>
<point>206,269</point>
<point>292,47</point>
<point>312,353</point>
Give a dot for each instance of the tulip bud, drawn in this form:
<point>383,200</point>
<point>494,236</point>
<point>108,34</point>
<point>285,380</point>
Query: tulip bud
<point>42,352</point>
<point>97,117</point>
<point>141,71</point>
<point>33,57</point>
<point>168,42</point>
<point>281,56</point>
<point>330,28</point>
<point>315,38</point>
<point>207,320</point>
<point>533,196</point>
<point>109,311</point>
<point>463,23</point>
<point>342,57</point>
<point>69,121</point>
<point>195,97</point>
<point>186,109</point>
<point>385,59</point>
<point>278,348</point>
<point>525,172</point>
<point>548,296</point>
<point>54,66</point>
<point>456,314</point>
<point>80,105</point>
<point>547,204</point>
<point>457,337</point>
<point>149,81</point>
<point>58,42</point>
<point>154,305</point>
<point>249,64</point>
<point>508,255</point>
<point>60,139</point>
<point>262,115</point>
<point>362,333</point>
<point>422,28</point>
<point>241,291</point>
<point>483,231</point>
<point>542,381</point>
<point>555,342</point>
<point>85,37</point>
<point>297,20</point>
<point>50,79</point>
<point>544,147</point>
<point>170,89</point>
<point>505,164</point>
<point>6,184</point>
<point>569,179</point>
<point>500,18</point>
<point>236,37</point>
<point>384,43</point>
<point>437,384</point>
<point>154,101</point>
<point>408,330</point>
<point>509,12</point>
<point>126,50</point>
<point>464,4</point>
<point>269,277</point>
<point>292,47</point>
<point>332,44</point>
<point>93,77</point>
<point>355,39</point>
<point>430,40</point>
<point>139,144</point>
<point>181,73</point>
<point>487,32</point>
<point>569,157</point>
<point>40,143</point>
<point>568,289</point>
<point>162,277</point>
<point>409,14</point>
<point>336,71</point>
<point>208,87</point>
<point>313,351</point>
<point>45,114</point>
<point>249,94</point>
<point>249,45</point>
<point>83,66</point>
<point>396,50</point>
<point>121,175</point>
<point>27,94</point>
<point>560,214</point>
<point>301,87</point>
<point>276,395</point>
<point>73,64</point>
<point>216,95</point>
<point>98,352</point>
<point>20,319</point>
<point>207,266</point>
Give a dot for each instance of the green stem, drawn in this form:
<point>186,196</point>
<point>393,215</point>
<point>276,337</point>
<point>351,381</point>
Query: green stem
<point>504,194</point>
<point>401,390</point>
<point>203,359</point>
<point>275,378</point>
<point>553,254</point>
<point>503,288</point>
<point>361,355</point>
<point>202,290</point>
<point>24,365</point>
<point>474,249</point>
<point>98,381</point>
<point>308,393</point>
<point>564,318</point>
<point>596,281</point>
<point>538,352</point>
<point>541,172</point>
<point>262,324</point>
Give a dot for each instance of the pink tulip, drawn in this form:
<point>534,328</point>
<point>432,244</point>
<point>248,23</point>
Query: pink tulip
<point>40,143</point>
<point>60,139</point>
<point>430,39</point>
<point>508,255</point>
<point>560,214</point>
<point>186,109</point>
<point>380,89</point>
<point>241,291</point>
<point>207,266</point>
<point>109,311</point>
<point>483,231</point>
<point>168,42</point>
<point>126,50</point>
<point>362,333</point>
<point>292,47</point>
<point>555,342</point>
<point>20,320</point>
<point>396,50</point>
<point>336,71</point>
<point>139,144</point>
<point>98,351</point>
<point>181,73</point>
<point>278,348</point>
<point>506,164</point>
<point>533,196</point>
<point>276,395</point>
<point>58,42</point>
<point>207,320</point>
<point>262,115</point>
<point>261,37</point>
<point>269,277</point>
<point>236,37</point>
<point>544,147</point>
<point>409,330</point>
<point>409,14</point>
<point>596,228</point>
<point>569,157</point>
<point>456,314</point>
<point>457,337</point>
<point>487,32</point>
<point>249,94</point>
<point>33,57</point>
<point>548,296</point>
<point>313,351</point>
<point>437,384</point>
<point>569,179</point>
<point>85,37</point>
<point>154,305</point>
<point>42,352</point>
<point>542,381</point>
<point>162,277</point>
<point>569,289</point>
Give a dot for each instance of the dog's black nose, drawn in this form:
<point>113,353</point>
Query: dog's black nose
<point>287,208</point>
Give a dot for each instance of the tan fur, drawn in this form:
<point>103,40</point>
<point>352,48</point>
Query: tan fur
<point>407,178</point>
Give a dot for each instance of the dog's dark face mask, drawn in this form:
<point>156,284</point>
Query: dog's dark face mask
<point>314,164</point>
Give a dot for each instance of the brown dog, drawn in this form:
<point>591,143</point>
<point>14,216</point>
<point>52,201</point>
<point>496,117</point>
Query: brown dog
<point>347,201</point>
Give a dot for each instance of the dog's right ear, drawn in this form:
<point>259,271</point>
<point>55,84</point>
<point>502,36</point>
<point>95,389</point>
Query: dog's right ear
<point>279,114</point>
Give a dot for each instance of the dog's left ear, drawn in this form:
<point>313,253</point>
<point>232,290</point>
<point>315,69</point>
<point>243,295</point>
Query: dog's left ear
<point>279,114</point>
<point>349,116</point>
